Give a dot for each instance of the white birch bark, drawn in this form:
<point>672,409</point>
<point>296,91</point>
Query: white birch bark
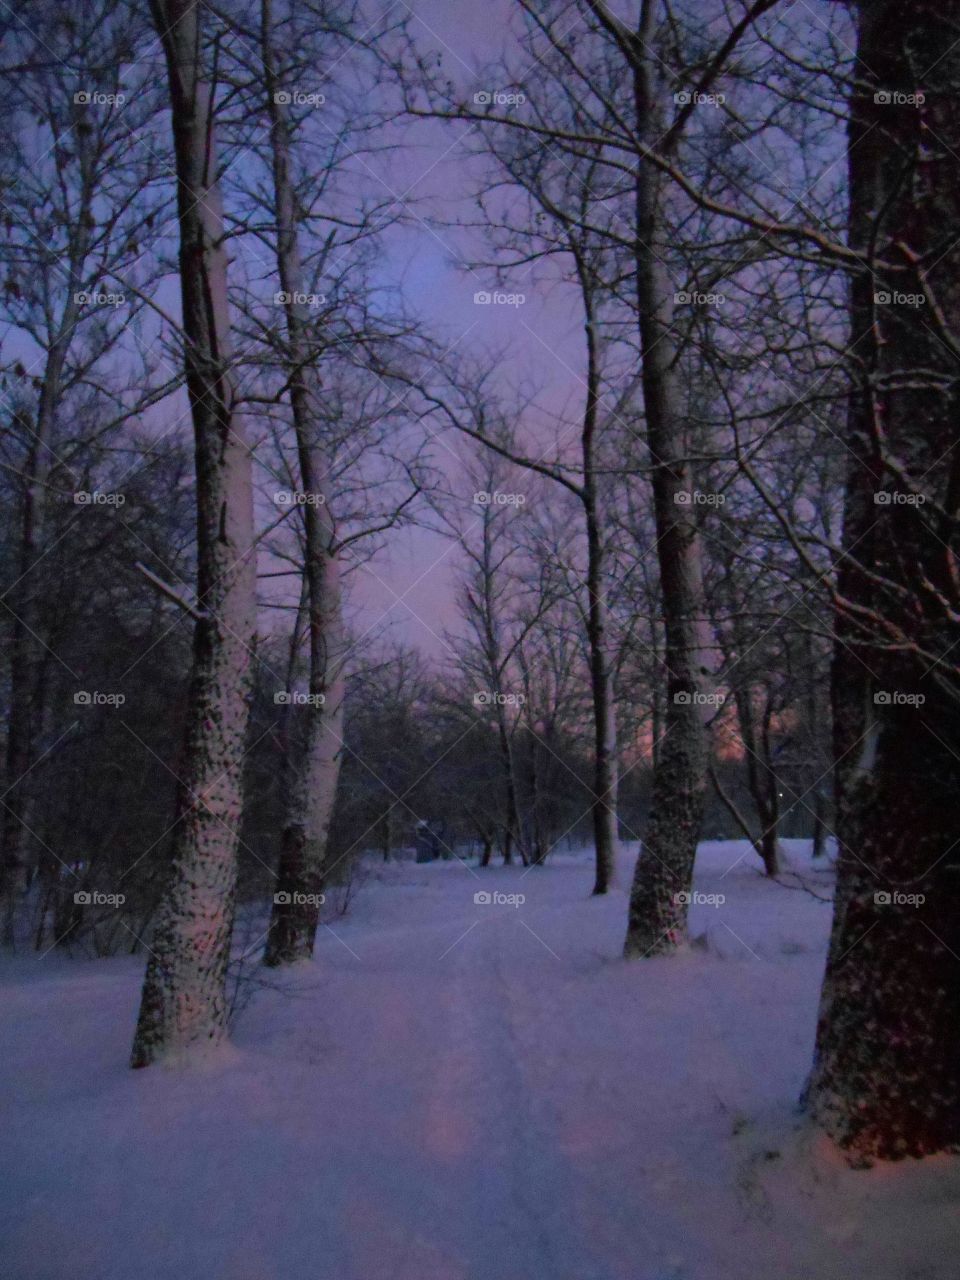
<point>183,1005</point>
<point>312,776</point>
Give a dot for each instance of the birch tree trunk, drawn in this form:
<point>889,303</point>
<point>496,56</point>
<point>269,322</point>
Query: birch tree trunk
<point>183,1005</point>
<point>886,1075</point>
<point>312,777</point>
<point>664,871</point>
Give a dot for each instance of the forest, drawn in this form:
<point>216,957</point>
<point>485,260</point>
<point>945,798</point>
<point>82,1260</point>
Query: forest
<point>480,639</point>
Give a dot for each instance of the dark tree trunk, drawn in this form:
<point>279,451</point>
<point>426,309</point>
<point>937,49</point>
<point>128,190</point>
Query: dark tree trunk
<point>605,773</point>
<point>886,1075</point>
<point>819,825</point>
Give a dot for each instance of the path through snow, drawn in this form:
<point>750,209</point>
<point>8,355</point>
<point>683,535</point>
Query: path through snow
<point>462,1091</point>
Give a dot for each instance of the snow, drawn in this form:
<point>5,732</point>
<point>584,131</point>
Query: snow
<point>462,1091</point>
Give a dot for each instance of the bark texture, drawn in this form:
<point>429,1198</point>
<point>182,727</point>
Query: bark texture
<point>183,1004</point>
<point>664,871</point>
<point>313,770</point>
<point>886,1076</point>
<point>605,757</point>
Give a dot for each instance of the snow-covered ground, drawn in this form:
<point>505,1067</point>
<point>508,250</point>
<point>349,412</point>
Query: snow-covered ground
<point>463,1091</point>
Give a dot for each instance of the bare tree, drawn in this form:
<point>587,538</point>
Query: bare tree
<point>638,152</point>
<point>71,226</point>
<point>183,1006</point>
<point>312,775</point>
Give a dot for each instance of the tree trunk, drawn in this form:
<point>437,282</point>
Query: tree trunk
<point>766,843</point>
<point>664,870</point>
<point>770,851</point>
<point>183,1005</point>
<point>605,756</point>
<point>512,836</point>
<point>605,781</point>
<point>819,824</point>
<point>761,776</point>
<point>886,1074</point>
<point>313,777</point>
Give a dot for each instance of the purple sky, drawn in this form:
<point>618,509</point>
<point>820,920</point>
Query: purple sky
<point>409,585</point>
